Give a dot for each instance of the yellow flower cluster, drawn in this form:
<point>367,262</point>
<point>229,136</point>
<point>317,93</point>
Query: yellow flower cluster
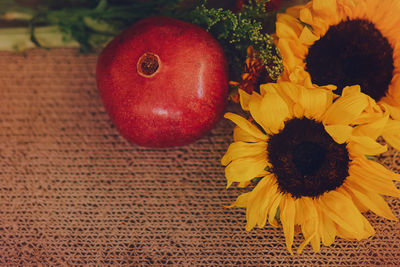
<point>310,135</point>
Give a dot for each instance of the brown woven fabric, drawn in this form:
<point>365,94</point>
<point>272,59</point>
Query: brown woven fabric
<point>74,192</point>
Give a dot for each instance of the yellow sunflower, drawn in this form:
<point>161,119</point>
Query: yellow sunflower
<point>344,43</point>
<point>308,150</point>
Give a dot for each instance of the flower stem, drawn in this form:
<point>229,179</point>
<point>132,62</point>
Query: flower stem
<point>19,39</point>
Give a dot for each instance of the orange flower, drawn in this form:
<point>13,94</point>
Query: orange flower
<point>252,74</point>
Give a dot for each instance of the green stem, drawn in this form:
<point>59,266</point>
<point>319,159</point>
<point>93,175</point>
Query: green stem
<point>19,39</point>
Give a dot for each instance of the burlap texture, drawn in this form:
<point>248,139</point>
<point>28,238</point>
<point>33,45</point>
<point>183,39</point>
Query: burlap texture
<point>74,192</point>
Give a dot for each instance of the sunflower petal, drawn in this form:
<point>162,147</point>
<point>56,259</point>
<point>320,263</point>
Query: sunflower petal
<point>316,102</point>
<point>325,7</point>
<point>346,109</point>
<point>287,90</point>
<point>327,229</point>
<point>327,12</point>
<point>371,180</point>
<point>367,231</point>
<point>370,199</point>
<point>286,31</point>
<point>364,145</point>
<point>309,224</point>
<point>339,133</point>
<point>300,76</point>
<point>269,199</point>
<point>306,16</point>
<point>394,111</point>
<point>274,209</point>
<point>287,218</point>
<point>351,90</point>
<point>244,99</point>
<point>246,125</point>
<point>243,184</point>
<point>372,113</point>
<point>256,203</point>
<point>294,11</point>
<point>241,135</point>
<point>376,169</point>
<point>245,169</point>
<point>313,102</point>
<point>243,149</point>
<point>374,129</point>
<point>269,111</point>
<point>289,50</point>
<point>391,133</point>
<point>360,205</point>
<point>343,212</point>
<point>307,37</point>
<point>392,140</point>
<point>241,201</point>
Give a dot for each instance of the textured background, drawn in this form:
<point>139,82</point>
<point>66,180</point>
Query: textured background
<point>73,191</point>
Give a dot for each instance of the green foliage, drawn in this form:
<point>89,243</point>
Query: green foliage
<point>237,31</point>
<point>94,27</point>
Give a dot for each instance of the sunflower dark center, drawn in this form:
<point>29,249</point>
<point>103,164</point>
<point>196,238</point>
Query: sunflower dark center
<point>308,157</point>
<point>352,52</point>
<point>306,160</point>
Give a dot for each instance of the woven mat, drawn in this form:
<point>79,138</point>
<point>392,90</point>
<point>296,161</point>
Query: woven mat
<point>74,192</point>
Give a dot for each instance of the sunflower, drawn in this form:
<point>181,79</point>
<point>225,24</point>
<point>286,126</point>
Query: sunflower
<point>307,150</point>
<point>344,43</point>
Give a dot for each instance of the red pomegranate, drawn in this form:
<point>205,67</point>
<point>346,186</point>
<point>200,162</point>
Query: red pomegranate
<point>163,82</point>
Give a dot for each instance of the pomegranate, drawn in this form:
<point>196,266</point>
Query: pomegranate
<point>163,82</point>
